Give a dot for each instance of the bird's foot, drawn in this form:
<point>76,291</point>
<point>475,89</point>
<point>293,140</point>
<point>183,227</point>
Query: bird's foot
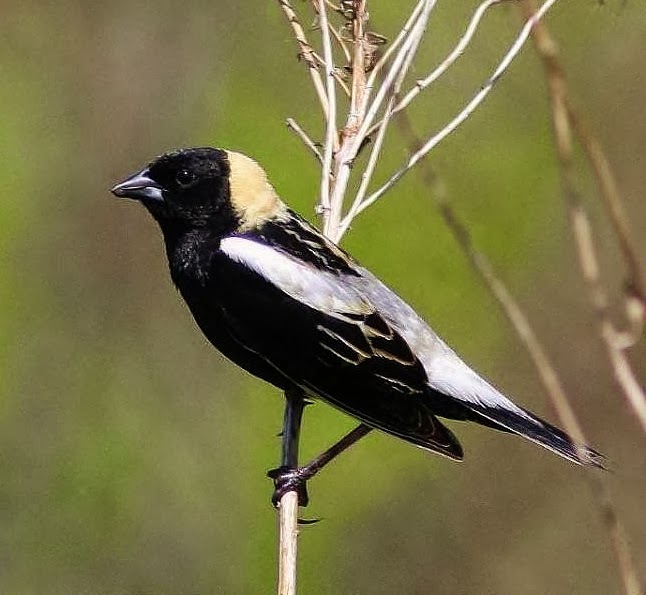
<point>286,480</point>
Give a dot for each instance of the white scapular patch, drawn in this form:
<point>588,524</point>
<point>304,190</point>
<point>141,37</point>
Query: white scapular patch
<point>316,288</point>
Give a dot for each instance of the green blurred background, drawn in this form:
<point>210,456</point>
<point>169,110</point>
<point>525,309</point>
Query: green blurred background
<point>133,457</point>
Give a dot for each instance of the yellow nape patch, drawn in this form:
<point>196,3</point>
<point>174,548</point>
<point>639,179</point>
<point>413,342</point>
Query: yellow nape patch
<point>252,196</point>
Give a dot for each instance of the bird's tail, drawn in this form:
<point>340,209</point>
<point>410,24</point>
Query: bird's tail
<point>530,426</point>
<point>492,409</point>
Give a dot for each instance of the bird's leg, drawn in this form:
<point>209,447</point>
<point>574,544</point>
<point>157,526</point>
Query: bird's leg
<point>315,465</point>
<point>286,477</point>
<point>300,475</point>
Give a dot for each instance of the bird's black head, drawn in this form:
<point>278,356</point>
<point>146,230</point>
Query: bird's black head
<point>188,189</point>
<point>204,187</point>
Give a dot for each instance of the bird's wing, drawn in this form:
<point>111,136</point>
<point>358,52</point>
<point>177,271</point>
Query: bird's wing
<point>321,332</point>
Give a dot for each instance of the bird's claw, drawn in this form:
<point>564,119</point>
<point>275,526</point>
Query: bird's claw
<point>289,480</point>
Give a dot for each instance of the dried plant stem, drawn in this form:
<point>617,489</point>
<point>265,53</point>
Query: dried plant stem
<point>519,321</point>
<point>607,184</point>
<point>452,57</point>
<point>368,112</point>
<point>288,544</point>
<point>307,141</point>
<point>330,125</point>
<point>582,232</point>
<point>343,157</point>
<point>288,503</point>
<point>358,62</point>
<point>403,34</point>
<point>307,52</point>
<point>617,534</point>
<point>337,77</point>
<point>341,43</point>
<point>468,109</point>
<point>613,340</point>
<point>371,106</point>
<point>363,113</point>
<point>366,176</point>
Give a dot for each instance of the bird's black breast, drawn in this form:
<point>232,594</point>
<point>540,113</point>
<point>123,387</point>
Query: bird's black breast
<point>210,283</point>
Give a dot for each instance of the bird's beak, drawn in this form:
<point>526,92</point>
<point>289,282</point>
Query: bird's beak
<point>139,186</point>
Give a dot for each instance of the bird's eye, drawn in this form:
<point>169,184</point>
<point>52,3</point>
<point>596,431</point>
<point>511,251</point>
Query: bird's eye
<point>184,178</point>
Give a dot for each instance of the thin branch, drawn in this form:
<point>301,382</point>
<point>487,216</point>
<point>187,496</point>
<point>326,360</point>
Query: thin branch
<point>582,232</point>
<point>306,52</point>
<point>390,77</point>
<point>462,44</point>
<point>580,223</point>
<point>354,133</point>
<point>601,168</point>
<point>341,43</point>
<point>403,34</point>
<point>288,503</point>
<point>335,73</point>
<point>612,340</point>
<point>519,321</point>
<point>466,112</point>
<point>416,34</point>
<point>307,141</point>
<point>341,149</point>
<point>342,161</point>
<point>357,65</point>
<point>330,129</point>
<point>613,200</point>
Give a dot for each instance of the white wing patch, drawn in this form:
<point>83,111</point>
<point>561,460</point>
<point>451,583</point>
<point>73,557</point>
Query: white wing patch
<point>318,289</point>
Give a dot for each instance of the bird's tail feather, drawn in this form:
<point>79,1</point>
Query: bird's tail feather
<point>537,430</point>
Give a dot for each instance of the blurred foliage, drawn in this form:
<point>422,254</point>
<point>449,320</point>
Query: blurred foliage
<point>133,456</point>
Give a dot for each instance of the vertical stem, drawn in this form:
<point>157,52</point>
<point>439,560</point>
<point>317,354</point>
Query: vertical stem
<point>342,157</point>
<point>288,534</point>
<point>358,66</point>
<point>330,128</point>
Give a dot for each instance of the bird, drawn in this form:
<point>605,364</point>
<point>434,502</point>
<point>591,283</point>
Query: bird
<point>281,300</point>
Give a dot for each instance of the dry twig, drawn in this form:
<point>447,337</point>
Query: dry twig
<point>306,51</point>
<point>615,341</point>
<point>562,113</point>
<point>309,143</point>
<point>288,544</point>
<point>471,106</point>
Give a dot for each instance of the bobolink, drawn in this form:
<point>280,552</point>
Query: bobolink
<point>282,301</point>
